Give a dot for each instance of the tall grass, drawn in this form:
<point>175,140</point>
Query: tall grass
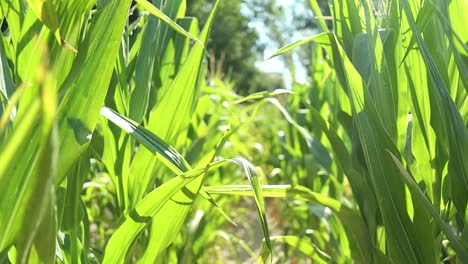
<point>397,93</point>
<point>62,61</point>
<point>114,148</point>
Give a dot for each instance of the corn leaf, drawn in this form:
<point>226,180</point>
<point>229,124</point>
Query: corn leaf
<point>461,249</point>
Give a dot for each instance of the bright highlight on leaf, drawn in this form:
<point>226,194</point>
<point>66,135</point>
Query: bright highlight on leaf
<point>157,13</point>
<point>173,160</point>
<point>46,12</point>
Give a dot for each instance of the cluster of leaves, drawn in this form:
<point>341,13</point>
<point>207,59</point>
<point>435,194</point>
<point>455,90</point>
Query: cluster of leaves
<point>112,144</point>
<point>234,46</point>
<point>76,188</point>
<point>388,99</point>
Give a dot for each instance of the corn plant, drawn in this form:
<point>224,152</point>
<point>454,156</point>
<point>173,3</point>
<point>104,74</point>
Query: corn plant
<point>75,187</point>
<point>389,101</point>
<point>115,149</point>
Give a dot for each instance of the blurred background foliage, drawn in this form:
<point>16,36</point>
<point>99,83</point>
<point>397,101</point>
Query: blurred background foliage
<point>234,47</point>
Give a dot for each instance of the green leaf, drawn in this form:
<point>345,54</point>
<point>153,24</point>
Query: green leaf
<point>169,195</point>
<point>46,12</point>
<point>12,203</point>
<point>157,13</point>
<point>178,164</point>
<point>305,247</point>
<point>462,250</point>
<point>389,191</point>
<point>171,158</point>
<point>39,189</point>
<point>155,45</point>
<point>446,121</point>
<point>316,38</point>
<point>141,216</point>
<point>355,227</point>
<point>87,83</point>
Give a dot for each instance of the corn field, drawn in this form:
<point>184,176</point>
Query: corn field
<point>114,148</point>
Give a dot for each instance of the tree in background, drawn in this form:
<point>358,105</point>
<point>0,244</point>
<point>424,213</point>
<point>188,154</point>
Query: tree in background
<point>234,47</point>
<point>283,24</point>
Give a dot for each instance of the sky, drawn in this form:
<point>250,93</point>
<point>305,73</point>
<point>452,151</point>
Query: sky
<point>275,65</point>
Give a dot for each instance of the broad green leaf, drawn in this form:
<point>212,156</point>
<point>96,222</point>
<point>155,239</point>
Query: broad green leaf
<point>46,12</point>
<point>178,100</point>
<point>44,244</point>
<point>162,150</point>
<point>318,15</point>
<point>154,46</point>
<point>388,188</point>
<point>459,247</point>
<point>147,209</point>
<point>37,153</point>
<point>141,216</point>
<point>27,148</point>
<point>38,191</point>
<point>87,84</point>
<point>72,214</point>
<point>446,121</point>
<point>178,164</point>
<point>354,226</point>
<point>157,13</point>
<point>10,204</point>
<point>316,38</point>
<point>14,18</point>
